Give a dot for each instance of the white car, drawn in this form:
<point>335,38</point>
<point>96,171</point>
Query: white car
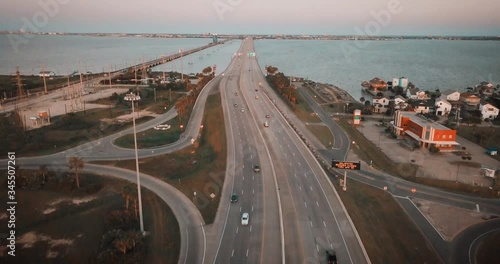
<point>245,218</point>
<point>266,124</point>
<point>243,110</point>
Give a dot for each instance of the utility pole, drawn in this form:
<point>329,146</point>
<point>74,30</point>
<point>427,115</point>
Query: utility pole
<point>44,82</point>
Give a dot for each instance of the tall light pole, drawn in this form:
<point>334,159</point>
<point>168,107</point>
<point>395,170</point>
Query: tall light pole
<point>132,97</point>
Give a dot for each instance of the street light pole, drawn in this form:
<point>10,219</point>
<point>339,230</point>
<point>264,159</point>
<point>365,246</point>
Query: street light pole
<point>137,168</point>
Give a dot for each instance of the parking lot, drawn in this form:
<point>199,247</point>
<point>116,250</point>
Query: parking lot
<point>443,165</point>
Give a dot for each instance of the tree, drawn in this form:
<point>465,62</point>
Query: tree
<point>43,172</point>
<point>76,164</point>
<point>126,193</point>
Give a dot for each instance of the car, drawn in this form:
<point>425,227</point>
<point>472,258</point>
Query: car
<point>266,124</point>
<point>245,218</point>
<point>243,110</point>
<point>234,198</point>
<point>236,94</point>
<point>256,97</point>
<point>331,257</point>
<point>256,168</point>
<point>268,116</point>
<point>235,105</point>
<point>256,90</point>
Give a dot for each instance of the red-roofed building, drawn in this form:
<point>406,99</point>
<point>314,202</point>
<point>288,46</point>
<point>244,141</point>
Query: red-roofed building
<point>424,132</point>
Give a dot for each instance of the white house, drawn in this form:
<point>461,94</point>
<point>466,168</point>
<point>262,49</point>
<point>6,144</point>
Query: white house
<point>443,107</point>
<point>400,102</point>
<point>46,74</point>
<point>488,110</point>
<point>416,94</point>
<point>451,95</point>
<point>421,106</point>
<point>380,104</point>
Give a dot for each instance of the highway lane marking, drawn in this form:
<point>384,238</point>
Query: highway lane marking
<point>237,229</point>
<point>311,223</point>
<point>324,224</point>
<point>250,228</point>
<point>305,174</point>
<point>317,203</point>
<point>295,174</point>
<point>241,192</point>
<point>253,191</point>
<point>247,252</point>
<point>300,188</point>
<point>310,187</point>
<point>253,177</point>
<point>299,164</point>
<point>240,209</point>
<point>232,253</point>
<point>293,153</point>
<point>290,163</point>
<point>252,208</point>
<point>317,248</point>
<point>305,204</point>
<point>243,177</point>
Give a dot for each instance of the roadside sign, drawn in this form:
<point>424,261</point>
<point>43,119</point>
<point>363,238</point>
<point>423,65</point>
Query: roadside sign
<point>347,165</point>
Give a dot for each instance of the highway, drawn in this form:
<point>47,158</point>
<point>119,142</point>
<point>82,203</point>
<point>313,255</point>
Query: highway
<point>314,218</point>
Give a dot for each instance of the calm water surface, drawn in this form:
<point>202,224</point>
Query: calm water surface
<point>430,64</point>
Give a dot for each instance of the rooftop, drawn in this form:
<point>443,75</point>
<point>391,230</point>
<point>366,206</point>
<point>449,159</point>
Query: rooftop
<point>421,121</point>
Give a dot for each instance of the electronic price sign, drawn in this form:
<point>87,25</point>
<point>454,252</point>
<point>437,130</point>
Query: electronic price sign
<point>346,165</point>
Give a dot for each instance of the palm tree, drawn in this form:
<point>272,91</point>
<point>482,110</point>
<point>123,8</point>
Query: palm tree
<point>126,193</point>
<point>76,163</point>
<point>43,171</point>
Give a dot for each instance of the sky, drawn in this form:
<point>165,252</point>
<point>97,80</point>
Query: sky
<point>314,17</point>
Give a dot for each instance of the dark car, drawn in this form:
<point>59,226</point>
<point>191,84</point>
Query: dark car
<point>331,257</point>
<point>234,198</point>
<point>256,168</point>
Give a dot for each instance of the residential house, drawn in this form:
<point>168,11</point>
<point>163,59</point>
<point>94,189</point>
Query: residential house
<point>485,88</point>
<point>416,94</point>
<point>470,100</point>
<point>451,95</point>
<point>46,74</point>
<point>488,110</point>
<point>400,102</point>
<point>443,107</point>
<point>380,104</point>
<point>424,132</point>
<point>422,106</point>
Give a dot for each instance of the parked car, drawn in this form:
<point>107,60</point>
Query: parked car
<point>245,218</point>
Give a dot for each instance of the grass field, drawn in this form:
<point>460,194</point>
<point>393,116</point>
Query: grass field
<point>304,112</point>
<point>200,167</point>
<point>65,225</point>
<point>323,134</point>
<point>488,250</point>
<point>388,235</point>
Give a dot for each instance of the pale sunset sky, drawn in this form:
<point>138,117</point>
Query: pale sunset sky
<point>354,17</point>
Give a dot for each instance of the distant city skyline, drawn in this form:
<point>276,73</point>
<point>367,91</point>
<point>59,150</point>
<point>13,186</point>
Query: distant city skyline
<point>314,17</point>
